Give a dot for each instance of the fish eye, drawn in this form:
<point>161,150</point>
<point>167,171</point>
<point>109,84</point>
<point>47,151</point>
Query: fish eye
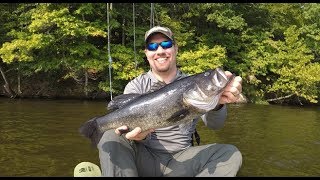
<point>206,73</point>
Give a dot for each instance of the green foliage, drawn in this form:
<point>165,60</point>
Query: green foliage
<point>285,67</point>
<point>124,63</point>
<point>21,49</point>
<point>297,73</point>
<point>225,16</point>
<point>201,59</point>
<point>125,67</point>
<point>274,47</point>
<point>311,28</point>
<point>283,15</point>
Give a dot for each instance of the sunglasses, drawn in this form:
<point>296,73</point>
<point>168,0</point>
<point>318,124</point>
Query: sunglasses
<point>163,44</point>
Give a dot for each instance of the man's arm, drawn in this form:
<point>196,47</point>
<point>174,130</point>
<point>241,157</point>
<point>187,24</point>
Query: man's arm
<point>215,119</point>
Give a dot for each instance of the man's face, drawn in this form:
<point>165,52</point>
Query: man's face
<point>161,60</point>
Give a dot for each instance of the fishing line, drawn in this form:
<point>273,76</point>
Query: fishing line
<point>110,59</point>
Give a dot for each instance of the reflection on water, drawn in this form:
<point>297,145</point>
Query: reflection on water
<point>274,140</point>
<point>40,137</point>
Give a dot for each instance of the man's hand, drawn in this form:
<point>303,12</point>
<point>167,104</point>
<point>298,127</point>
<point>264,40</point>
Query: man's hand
<point>232,92</point>
<point>136,134</point>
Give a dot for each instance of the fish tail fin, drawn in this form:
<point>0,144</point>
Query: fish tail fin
<point>90,130</point>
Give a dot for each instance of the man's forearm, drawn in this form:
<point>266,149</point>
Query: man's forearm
<point>215,119</point>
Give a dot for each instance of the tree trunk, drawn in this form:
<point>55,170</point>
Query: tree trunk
<point>86,84</point>
<point>123,33</point>
<point>19,83</point>
<point>6,86</point>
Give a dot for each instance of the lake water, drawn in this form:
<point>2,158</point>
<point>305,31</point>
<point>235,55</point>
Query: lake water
<point>40,137</point>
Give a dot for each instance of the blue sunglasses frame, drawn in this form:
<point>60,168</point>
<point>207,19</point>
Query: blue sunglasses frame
<point>164,44</point>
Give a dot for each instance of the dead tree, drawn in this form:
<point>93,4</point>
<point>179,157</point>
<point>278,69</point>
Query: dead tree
<point>6,85</point>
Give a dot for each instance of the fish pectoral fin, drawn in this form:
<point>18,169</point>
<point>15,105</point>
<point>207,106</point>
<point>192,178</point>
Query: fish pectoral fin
<point>177,116</point>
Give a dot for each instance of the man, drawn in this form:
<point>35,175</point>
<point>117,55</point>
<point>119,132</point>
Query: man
<point>168,151</point>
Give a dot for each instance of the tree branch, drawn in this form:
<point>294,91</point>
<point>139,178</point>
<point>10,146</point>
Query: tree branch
<point>280,98</point>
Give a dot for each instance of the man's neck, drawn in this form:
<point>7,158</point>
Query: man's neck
<point>166,77</point>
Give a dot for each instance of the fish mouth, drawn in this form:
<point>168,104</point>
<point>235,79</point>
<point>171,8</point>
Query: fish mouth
<point>218,83</point>
<point>220,79</point>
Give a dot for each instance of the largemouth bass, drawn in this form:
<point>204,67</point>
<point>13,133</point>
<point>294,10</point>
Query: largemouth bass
<point>175,103</point>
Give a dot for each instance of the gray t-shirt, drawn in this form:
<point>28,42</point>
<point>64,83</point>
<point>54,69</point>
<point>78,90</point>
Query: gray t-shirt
<point>173,138</point>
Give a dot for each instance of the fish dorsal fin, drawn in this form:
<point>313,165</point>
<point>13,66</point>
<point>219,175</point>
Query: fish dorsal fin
<point>156,86</point>
<point>121,100</point>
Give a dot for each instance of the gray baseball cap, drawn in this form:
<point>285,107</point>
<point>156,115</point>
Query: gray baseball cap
<point>159,29</point>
